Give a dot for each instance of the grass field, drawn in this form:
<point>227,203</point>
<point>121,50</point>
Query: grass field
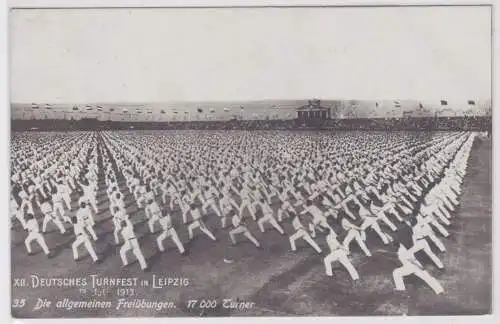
<point>278,281</point>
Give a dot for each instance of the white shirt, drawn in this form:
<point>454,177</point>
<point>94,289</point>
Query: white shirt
<point>32,226</point>
<point>128,233</point>
<point>236,221</point>
<point>154,210</point>
<point>297,224</point>
<point>78,229</point>
<point>83,215</point>
<point>331,240</point>
<point>195,214</point>
<point>166,222</point>
<point>406,257</point>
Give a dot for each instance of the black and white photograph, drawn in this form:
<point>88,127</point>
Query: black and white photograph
<point>259,161</point>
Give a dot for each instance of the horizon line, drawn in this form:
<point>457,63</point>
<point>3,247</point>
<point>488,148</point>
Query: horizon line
<point>242,100</point>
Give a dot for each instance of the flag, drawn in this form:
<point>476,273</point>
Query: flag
<point>99,108</point>
<point>34,106</point>
<point>471,102</point>
<point>150,112</point>
<point>420,105</point>
<point>397,103</point>
<point>199,110</point>
<point>47,106</point>
<point>444,103</point>
<point>241,107</point>
<point>186,112</point>
<point>226,109</point>
<point>111,109</point>
<point>376,104</point>
<point>75,108</point>
<point>125,110</point>
<point>162,111</point>
<point>211,110</point>
<point>175,112</point>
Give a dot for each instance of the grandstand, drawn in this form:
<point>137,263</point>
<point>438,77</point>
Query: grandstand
<point>337,115</point>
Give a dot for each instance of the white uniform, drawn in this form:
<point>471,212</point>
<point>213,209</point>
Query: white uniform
<point>89,197</point>
<point>370,221</point>
<point>118,217</point>
<point>175,199</point>
<point>65,193</point>
<point>26,204</point>
<point>169,231</point>
<point>285,205</point>
<point>198,223</point>
<point>318,219</point>
<point>420,231</point>
<point>57,200</point>
<point>84,217</point>
<point>240,228</point>
<point>268,217</point>
<point>380,213</point>
<point>301,232</point>
<point>210,201</point>
<point>49,215</point>
<point>17,212</point>
<point>246,203</point>
<point>338,253</point>
<point>82,238</point>
<point>131,243</point>
<point>410,266</point>
<point>354,234</point>
<point>116,203</point>
<point>140,196</point>
<point>34,235</point>
<point>153,213</point>
<point>432,209</point>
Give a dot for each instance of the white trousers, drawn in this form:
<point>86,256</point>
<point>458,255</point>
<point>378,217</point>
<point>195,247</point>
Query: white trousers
<point>422,245</point>
<point>354,234</point>
<point>409,269</point>
<point>271,220</point>
<point>243,230</point>
<point>132,245</point>
<point>35,236</point>
<point>172,233</point>
<point>56,220</point>
<point>340,256</point>
<point>303,234</point>
<point>198,224</point>
<point>83,240</point>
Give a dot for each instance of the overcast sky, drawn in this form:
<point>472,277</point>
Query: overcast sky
<point>161,55</point>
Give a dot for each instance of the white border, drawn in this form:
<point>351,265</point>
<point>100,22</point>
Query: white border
<point>4,148</point>
<point>236,3</point>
